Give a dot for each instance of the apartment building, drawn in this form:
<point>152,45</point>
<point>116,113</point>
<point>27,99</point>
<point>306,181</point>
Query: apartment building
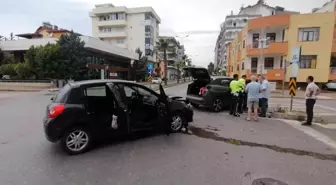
<point>129,28</point>
<point>173,56</point>
<point>266,43</point>
<point>233,24</point>
<point>326,7</point>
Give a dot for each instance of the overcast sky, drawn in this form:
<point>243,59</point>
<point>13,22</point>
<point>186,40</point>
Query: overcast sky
<point>179,17</point>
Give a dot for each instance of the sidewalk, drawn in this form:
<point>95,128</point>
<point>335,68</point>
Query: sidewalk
<point>325,95</point>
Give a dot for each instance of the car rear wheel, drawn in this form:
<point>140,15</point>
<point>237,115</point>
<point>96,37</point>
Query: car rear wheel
<point>177,122</point>
<point>217,105</point>
<point>76,141</point>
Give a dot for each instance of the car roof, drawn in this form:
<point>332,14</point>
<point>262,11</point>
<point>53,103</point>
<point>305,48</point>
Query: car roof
<point>91,82</point>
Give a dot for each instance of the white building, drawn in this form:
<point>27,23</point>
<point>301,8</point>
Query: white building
<point>327,7</point>
<point>233,24</point>
<point>129,28</point>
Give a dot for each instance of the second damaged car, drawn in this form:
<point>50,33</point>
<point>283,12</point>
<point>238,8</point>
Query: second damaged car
<point>83,112</point>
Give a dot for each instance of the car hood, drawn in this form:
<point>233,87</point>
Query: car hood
<point>199,73</point>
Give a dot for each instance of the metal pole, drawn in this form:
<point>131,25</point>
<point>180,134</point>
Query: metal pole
<point>291,104</point>
<point>284,78</point>
<point>262,52</point>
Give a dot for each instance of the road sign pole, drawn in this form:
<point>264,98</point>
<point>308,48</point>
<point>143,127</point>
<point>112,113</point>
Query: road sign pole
<point>291,104</point>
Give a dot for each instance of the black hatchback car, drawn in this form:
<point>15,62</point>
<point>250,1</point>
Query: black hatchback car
<point>84,111</point>
<point>206,91</point>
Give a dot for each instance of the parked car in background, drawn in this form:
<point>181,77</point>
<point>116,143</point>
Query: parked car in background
<point>331,85</point>
<point>209,92</point>
<point>156,80</point>
<point>85,111</point>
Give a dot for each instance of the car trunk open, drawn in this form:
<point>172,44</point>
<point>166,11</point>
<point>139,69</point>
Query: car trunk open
<point>201,79</point>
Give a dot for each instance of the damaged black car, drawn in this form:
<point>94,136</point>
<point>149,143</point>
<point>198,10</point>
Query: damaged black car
<point>82,112</point>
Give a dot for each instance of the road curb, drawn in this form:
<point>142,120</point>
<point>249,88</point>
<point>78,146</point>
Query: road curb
<point>302,98</point>
<point>301,116</point>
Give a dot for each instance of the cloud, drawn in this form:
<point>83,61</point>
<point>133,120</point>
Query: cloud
<point>198,18</point>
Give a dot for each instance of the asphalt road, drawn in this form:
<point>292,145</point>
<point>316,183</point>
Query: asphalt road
<point>219,150</point>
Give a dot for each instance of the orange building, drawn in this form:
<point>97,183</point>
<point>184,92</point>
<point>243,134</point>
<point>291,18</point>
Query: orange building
<point>47,30</point>
<point>266,43</point>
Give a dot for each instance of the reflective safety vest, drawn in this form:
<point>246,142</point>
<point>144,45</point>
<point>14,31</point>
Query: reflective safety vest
<point>235,87</point>
<point>242,84</point>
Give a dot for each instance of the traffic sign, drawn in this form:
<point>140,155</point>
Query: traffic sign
<point>150,79</point>
<point>150,66</point>
<point>292,86</point>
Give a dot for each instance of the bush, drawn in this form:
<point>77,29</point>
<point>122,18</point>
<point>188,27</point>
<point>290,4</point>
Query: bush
<point>8,69</point>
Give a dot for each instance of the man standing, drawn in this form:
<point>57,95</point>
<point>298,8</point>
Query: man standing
<point>253,90</point>
<point>264,95</point>
<point>312,91</point>
<point>242,95</point>
<point>235,88</point>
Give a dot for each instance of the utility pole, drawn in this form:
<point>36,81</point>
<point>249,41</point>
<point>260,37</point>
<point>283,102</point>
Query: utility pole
<point>261,38</point>
<point>284,77</point>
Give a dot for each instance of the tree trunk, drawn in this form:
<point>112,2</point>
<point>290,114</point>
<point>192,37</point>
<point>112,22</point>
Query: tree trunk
<point>165,66</point>
<point>178,73</point>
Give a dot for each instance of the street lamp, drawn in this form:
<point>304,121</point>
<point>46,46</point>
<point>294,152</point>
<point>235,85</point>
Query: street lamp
<point>182,38</point>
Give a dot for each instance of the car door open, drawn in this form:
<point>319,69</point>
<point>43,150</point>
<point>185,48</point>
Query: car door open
<point>121,113</point>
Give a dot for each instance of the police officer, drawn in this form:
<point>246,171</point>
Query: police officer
<point>235,88</point>
<point>242,95</point>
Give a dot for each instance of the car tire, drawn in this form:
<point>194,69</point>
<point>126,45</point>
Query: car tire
<point>194,105</point>
<point>76,141</point>
<point>177,123</point>
<point>217,105</point>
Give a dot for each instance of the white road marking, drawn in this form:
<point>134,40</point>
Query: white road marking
<point>317,105</point>
<point>311,132</point>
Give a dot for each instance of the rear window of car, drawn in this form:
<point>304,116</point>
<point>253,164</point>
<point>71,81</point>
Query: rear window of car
<point>62,94</point>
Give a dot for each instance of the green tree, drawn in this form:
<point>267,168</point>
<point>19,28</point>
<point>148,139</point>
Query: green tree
<point>187,60</point>
<point>211,68</point>
<point>179,65</point>
<point>72,57</point>
<point>2,56</point>
<point>165,45</point>
<point>49,62</point>
<point>8,69</point>
<point>30,59</point>
<point>22,70</point>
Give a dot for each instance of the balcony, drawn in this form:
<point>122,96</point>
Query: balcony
<point>269,21</point>
<point>121,34</point>
<point>274,48</point>
<point>120,23</point>
<point>271,74</point>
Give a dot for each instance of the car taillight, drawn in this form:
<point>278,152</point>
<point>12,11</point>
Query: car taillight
<point>56,111</point>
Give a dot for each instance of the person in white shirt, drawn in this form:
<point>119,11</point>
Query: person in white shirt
<point>312,91</point>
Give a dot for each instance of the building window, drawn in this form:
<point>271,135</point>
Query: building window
<point>148,28</point>
<point>120,41</point>
<point>270,38</point>
<point>281,61</point>
<point>308,61</point>
<point>244,44</point>
<point>254,63</point>
<point>148,52</point>
<point>309,34</point>
<point>243,66</point>
<point>255,40</point>
<point>237,67</point>
<point>269,63</point>
<point>149,41</point>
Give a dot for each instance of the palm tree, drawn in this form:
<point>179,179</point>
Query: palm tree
<point>179,65</point>
<point>187,60</point>
<point>165,45</point>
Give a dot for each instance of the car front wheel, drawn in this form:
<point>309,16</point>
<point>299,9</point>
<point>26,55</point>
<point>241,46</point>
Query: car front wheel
<point>177,122</point>
<point>76,141</point>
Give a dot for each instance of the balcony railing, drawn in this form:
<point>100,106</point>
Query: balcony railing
<point>273,48</point>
